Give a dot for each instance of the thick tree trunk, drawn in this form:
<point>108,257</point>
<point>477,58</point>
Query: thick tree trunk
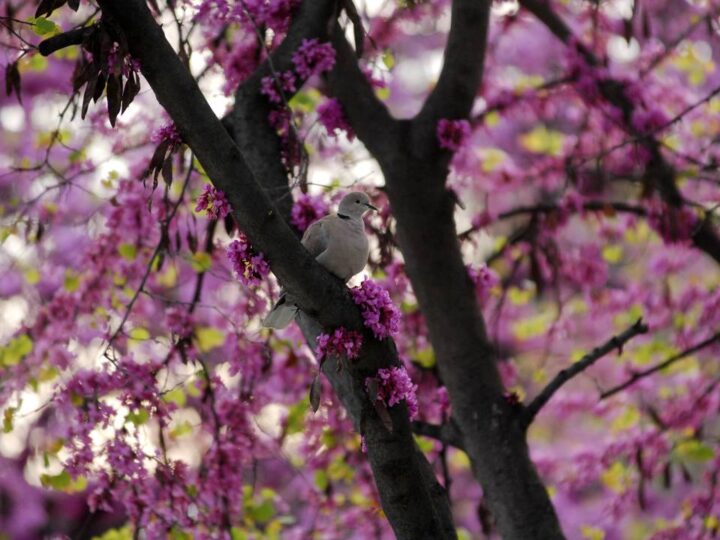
<point>492,431</point>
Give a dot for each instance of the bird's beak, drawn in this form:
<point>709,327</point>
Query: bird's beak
<point>371,207</point>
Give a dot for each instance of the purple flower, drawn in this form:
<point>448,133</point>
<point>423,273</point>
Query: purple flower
<point>179,321</point>
<point>249,266</point>
<point>452,134</point>
<point>214,202</point>
<point>378,312</point>
<point>394,385</point>
<point>168,132</point>
<point>648,121</point>
<point>306,210</point>
<point>484,280</point>
<point>332,117</point>
<point>313,57</point>
<point>270,86</point>
<point>342,343</point>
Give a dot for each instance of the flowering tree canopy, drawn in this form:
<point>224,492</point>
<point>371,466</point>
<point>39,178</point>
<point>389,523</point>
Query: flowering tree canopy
<point>531,353</point>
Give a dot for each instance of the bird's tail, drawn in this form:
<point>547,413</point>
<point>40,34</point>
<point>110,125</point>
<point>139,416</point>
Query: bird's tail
<point>281,315</point>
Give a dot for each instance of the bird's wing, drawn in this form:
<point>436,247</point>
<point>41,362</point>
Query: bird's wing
<point>315,238</point>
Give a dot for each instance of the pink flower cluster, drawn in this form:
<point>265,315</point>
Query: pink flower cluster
<point>179,321</point>
<point>269,86</point>
<point>307,210</point>
<point>342,343</point>
<point>378,311</point>
<point>484,280</point>
<point>394,385</point>
<point>249,266</point>
<point>313,57</point>
<point>332,117</point>
<point>585,267</point>
<point>274,14</point>
<point>648,121</point>
<point>168,132</point>
<point>452,134</point>
<point>214,202</point>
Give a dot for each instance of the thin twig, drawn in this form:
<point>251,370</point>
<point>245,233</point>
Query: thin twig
<point>658,367</point>
<point>615,342</point>
<point>447,433</point>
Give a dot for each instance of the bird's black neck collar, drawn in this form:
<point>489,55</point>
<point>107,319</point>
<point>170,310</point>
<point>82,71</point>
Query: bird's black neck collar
<point>343,216</point>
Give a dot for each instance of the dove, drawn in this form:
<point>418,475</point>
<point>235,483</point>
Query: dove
<point>338,242</point>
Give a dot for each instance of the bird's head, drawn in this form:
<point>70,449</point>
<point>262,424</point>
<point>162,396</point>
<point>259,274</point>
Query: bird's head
<point>355,204</point>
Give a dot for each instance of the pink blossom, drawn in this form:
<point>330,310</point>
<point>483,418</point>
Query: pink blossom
<point>179,321</point>
<point>168,132</point>
<point>313,57</point>
<point>394,385</point>
<point>249,266</point>
<point>306,210</point>
<point>332,117</point>
<point>484,280</point>
<point>377,309</point>
<point>648,121</point>
<point>585,267</point>
<point>275,87</point>
<point>453,134</point>
<point>341,343</point>
<point>214,202</point>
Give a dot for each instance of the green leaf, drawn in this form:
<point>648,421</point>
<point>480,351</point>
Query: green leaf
<point>181,429</point>
<point>139,333</point>
<point>127,251</point>
<point>388,59</point>
<point>125,533</point>
<point>18,348</point>
<point>8,419</point>
<point>139,417</point>
<point>426,357</point>
<point>43,26</point>
<point>321,479</point>
<point>178,534</point>
<point>238,534</point>
<point>176,395</point>
<point>56,481</point>
<point>296,417</point>
<point>694,450</point>
<point>201,262</point>
<point>542,140</point>
<point>209,338</point>
<point>72,281</point>
<point>32,276</point>
<point>264,511</point>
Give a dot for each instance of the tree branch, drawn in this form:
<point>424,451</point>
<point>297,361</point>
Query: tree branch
<point>615,342</point>
<point>459,81</point>
<point>447,433</point>
<point>368,116</point>
<point>659,367</point>
<point>66,39</point>
<point>411,503</point>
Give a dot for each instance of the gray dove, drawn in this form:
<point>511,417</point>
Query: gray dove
<point>337,242</point>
